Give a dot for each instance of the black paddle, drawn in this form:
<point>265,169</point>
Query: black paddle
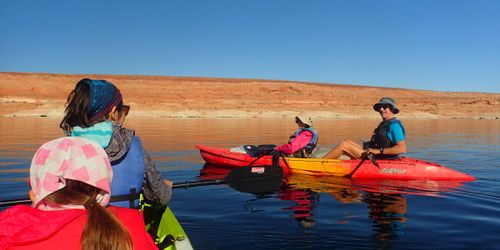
<point>367,156</point>
<point>255,180</point>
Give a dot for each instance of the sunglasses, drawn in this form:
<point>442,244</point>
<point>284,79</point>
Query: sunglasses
<point>384,106</point>
<point>125,109</point>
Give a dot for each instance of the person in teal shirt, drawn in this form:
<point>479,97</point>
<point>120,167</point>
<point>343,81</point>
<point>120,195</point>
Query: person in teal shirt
<point>388,139</point>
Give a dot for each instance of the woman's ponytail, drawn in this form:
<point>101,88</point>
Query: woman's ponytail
<point>75,113</point>
<point>103,230</point>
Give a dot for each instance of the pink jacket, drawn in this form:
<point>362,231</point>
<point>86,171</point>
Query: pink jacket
<point>302,139</point>
<point>24,227</point>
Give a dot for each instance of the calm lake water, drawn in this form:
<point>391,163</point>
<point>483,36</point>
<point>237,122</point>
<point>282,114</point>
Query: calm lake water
<point>307,212</point>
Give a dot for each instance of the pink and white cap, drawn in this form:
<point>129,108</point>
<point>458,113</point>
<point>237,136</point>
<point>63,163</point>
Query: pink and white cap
<point>70,158</point>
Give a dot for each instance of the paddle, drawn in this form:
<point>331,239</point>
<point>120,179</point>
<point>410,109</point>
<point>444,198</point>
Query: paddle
<point>250,179</point>
<point>255,180</point>
<point>367,156</point>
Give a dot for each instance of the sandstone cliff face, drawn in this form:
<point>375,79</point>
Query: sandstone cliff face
<point>27,94</point>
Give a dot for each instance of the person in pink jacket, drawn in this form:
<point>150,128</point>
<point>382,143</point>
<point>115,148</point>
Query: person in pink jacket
<point>70,180</point>
<point>302,143</point>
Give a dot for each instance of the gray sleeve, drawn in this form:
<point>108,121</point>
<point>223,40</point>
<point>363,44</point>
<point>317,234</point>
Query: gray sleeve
<point>153,186</point>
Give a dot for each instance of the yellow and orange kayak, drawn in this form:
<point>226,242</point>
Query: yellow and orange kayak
<point>403,168</point>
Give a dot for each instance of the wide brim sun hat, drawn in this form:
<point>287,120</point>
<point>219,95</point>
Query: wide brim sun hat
<point>386,101</point>
<point>305,120</point>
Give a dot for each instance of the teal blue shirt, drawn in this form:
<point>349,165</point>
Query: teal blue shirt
<point>395,132</point>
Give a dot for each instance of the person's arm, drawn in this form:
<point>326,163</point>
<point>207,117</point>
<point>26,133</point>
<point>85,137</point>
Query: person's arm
<point>399,148</point>
<point>155,187</point>
<point>302,139</point>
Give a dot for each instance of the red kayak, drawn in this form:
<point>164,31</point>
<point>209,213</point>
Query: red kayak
<point>403,168</point>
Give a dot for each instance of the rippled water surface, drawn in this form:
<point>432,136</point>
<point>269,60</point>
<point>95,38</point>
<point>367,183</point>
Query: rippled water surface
<point>307,212</point>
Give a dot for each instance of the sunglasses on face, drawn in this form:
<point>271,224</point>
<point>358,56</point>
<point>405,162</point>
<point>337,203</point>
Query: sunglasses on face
<point>385,107</point>
<point>125,109</point>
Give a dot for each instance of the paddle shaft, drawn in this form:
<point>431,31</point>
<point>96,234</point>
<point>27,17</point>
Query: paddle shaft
<point>127,196</point>
<point>372,159</point>
<point>14,202</point>
<point>243,176</point>
<point>368,156</point>
<point>349,175</point>
<point>188,184</point>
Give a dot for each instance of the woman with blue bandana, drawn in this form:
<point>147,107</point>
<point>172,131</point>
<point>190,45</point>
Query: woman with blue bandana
<point>388,139</point>
<point>95,110</point>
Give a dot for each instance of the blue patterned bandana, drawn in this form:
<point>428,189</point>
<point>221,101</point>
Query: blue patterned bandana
<point>103,97</point>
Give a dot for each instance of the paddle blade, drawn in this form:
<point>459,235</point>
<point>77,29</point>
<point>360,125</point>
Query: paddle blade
<point>255,180</point>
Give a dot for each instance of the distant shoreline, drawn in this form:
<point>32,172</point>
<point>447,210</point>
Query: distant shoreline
<point>44,95</point>
<point>222,114</point>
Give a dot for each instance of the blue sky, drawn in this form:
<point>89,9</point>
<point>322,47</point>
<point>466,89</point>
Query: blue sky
<point>444,45</point>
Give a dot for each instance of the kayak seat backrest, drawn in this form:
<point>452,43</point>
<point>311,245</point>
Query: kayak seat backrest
<point>256,151</point>
<point>266,149</point>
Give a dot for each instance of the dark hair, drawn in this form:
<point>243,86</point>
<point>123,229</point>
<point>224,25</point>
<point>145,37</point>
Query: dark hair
<point>102,230</point>
<point>75,113</point>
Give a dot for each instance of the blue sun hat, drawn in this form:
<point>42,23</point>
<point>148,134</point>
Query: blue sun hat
<point>386,101</point>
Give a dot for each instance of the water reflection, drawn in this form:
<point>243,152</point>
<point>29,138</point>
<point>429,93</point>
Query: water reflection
<point>219,218</point>
<point>385,205</point>
<point>304,201</point>
<point>385,200</point>
<point>388,213</point>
